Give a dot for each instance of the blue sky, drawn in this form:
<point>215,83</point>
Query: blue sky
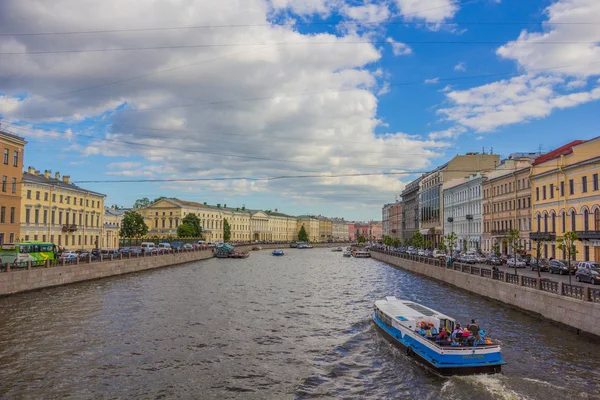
<point>292,87</point>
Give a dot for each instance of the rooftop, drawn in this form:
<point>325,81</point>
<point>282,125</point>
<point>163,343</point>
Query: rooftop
<point>33,177</point>
<point>13,137</point>
<point>556,153</point>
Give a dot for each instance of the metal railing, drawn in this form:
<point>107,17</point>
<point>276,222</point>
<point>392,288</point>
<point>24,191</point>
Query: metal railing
<point>583,293</point>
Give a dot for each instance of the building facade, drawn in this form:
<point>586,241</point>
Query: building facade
<point>385,219</point>
<point>462,211</point>
<point>325,229</point>
<point>395,221</point>
<point>566,198</point>
<point>431,207</point>
<point>11,167</point>
<point>506,205</point>
<point>410,210</point>
<point>55,210</point>
<point>112,226</point>
<point>311,225</point>
<point>340,229</point>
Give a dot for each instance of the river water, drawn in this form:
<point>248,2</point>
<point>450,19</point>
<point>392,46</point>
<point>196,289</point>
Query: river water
<point>267,327</point>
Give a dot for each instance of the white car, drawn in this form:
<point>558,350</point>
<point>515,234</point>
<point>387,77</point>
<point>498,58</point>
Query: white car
<point>421,252</point>
<point>511,263</point>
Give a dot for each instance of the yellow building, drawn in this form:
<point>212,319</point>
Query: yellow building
<point>57,211</point>
<point>11,168</point>
<point>112,226</point>
<point>282,226</point>
<point>311,225</point>
<point>325,229</point>
<point>565,197</point>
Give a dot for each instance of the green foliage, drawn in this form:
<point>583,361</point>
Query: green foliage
<point>158,199</point>
<point>450,240</point>
<point>513,239</point>
<point>226,231</point>
<point>194,223</point>
<point>417,240</point>
<point>185,231</point>
<point>133,225</point>
<point>361,239</point>
<point>567,244</point>
<point>464,246</point>
<point>396,242</point>
<point>302,235</point>
<point>496,249</point>
<point>140,203</point>
<point>387,240</point>
<point>442,246</point>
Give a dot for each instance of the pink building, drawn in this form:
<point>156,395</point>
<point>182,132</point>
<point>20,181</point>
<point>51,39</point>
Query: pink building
<point>372,230</point>
<point>351,235</point>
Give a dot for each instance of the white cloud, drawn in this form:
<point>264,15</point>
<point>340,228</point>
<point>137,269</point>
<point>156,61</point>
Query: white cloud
<point>124,165</point>
<point>461,66</point>
<point>306,7</point>
<point>431,11</point>
<point>450,133</point>
<point>479,138</point>
<point>218,111</point>
<point>432,80</point>
<point>367,13</point>
<point>399,49</point>
<point>538,50</point>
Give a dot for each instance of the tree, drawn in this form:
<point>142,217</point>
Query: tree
<point>538,250</point>
<point>361,239</point>
<point>396,242</point>
<point>514,241</point>
<point>194,222</point>
<point>464,246</point>
<point>302,235</point>
<point>185,230</point>
<point>496,249</point>
<point>133,225</point>
<point>387,240</point>
<point>158,199</point>
<point>567,244</point>
<point>418,240</point>
<point>140,203</point>
<point>451,240</point>
<point>226,230</point>
<point>442,246</point>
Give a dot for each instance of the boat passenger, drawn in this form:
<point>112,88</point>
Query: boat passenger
<point>442,335</point>
<point>488,340</point>
<point>422,331</point>
<point>428,334</point>
<point>434,330</point>
<point>473,327</point>
<point>478,341</point>
<point>455,342</point>
<point>457,330</point>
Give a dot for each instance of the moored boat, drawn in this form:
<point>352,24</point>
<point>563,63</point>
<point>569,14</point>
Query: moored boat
<point>337,249</point>
<point>347,254</point>
<point>277,252</point>
<point>305,246</point>
<point>239,254</point>
<point>361,254</point>
<point>256,248</point>
<point>400,320</point>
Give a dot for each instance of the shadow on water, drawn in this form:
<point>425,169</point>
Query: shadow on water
<point>296,326</point>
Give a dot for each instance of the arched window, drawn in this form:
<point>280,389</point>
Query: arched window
<point>553,222</point>
<point>545,222</point>
<point>586,224</point>
<point>597,219</point>
<point>573,222</point>
<point>539,222</point>
<point>564,222</point>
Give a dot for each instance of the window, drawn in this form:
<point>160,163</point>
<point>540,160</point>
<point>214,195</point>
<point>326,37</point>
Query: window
<point>539,222</point>
<point>584,184</point>
<point>54,198</point>
<point>87,203</point>
<point>571,186</point>
<point>551,190</point>
<point>586,253</point>
<point>597,219</point>
<point>37,195</point>
<point>80,201</point>
<point>553,251</point>
<point>562,188</point>
<point>53,217</point>
<point>12,238</point>
<point>573,221</point>
<point>45,217</point>
<point>544,192</point>
<point>68,199</point>
<point>27,215</point>
<point>537,194</point>
<point>586,224</point>
<point>36,218</point>
<point>13,212</point>
<point>6,156</point>
<point>546,223</point>
<point>45,196</point>
<point>15,158</point>
<point>2,214</point>
<point>553,222</point>
<point>60,198</point>
<point>60,217</point>
<point>4,178</point>
<point>564,222</point>
<point>14,185</point>
<point>595,182</point>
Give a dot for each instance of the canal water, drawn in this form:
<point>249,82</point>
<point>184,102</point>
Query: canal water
<point>267,327</point>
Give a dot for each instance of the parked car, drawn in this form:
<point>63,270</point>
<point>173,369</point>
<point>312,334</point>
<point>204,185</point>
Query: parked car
<point>590,275</point>
<point>518,263</point>
<point>588,265</point>
<point>468,259</point>
<point>439,254</point>
<point>560,267</point>
<point>533,264</point>
<point>188,246</point>
<point>176,245</point>
<point>421,252</point>
<point>493,260</point>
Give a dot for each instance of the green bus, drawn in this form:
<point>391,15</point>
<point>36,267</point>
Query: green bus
<point>20,253</point>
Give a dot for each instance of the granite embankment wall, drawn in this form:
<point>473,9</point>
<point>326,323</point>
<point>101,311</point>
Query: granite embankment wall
<point>34,278</point>
<point>576,313</point>
<point>23,280</point>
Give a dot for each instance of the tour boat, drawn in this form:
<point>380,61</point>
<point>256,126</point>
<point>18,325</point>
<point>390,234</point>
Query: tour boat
<point>399,320</point>
<point>337,249</point>
<point>305,246</point>
<point>277,252</point>
<point>361,254</point>
<point>347,254</point>
<point>239,254</point>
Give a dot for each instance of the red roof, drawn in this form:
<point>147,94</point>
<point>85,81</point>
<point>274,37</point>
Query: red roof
<point>561,151</point>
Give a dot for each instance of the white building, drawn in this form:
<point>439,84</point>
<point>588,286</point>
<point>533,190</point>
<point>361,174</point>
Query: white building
<point>462,211</point>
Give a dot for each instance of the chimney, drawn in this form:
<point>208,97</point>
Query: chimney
<point>37,172</point>
<point>224,205</point>
<point>47,174</point>
<point>66,179</point>
<point>57,175</point>
<point>31,170</point>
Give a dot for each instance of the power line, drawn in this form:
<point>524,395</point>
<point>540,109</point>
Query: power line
<point>312,43</point>
<point>192,27</point>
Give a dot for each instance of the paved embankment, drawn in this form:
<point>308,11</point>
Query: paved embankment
<point>23,280</point>
<point>574,306</point>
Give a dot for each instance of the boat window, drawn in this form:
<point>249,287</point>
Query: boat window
<point>384,318</point>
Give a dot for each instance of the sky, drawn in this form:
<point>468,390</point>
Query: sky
<point>344,101</point>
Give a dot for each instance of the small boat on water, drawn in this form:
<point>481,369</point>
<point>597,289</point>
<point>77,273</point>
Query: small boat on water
<point>347,254</point>
<point>239,254</point>
<point>277,252</point>
<point>399,320</point>
<point>361,254</point>
<point>256,248</point>
<point>337,249</point>
<point>305,246</point>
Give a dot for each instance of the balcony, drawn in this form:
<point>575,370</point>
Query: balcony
<point>69,228</point>
<point>500,232</point>
<point>469,216</point>
<point>551,236</point>
<point>588,235</point>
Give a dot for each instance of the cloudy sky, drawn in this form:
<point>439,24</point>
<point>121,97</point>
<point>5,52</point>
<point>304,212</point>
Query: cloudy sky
<point>358,95</point>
